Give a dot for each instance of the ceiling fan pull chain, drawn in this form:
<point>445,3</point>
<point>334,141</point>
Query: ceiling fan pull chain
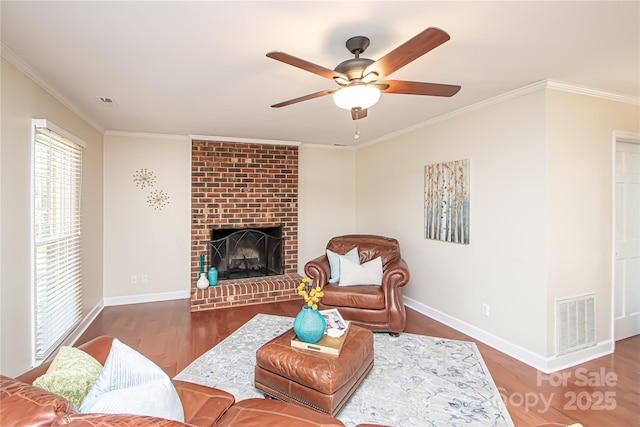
<point>357,134</point>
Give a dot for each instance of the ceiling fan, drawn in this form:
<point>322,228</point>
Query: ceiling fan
<point>361,80</point>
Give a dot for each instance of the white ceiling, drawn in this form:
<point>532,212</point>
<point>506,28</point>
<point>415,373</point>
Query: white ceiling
<point>199,68</point>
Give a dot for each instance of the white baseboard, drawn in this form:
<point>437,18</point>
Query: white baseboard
<point>565,361</point>
<point>140,298</point>
<point>537,361</point>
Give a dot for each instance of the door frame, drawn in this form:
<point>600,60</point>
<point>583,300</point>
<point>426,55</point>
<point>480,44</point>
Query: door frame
<point>632,138</point>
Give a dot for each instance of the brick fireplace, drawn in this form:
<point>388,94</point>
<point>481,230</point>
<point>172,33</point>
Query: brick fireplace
<point>237,185</point>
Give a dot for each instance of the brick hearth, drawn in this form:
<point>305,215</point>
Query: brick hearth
<point>243,185</point>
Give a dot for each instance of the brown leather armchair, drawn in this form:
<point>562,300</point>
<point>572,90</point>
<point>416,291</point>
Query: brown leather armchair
<point>379,308</point>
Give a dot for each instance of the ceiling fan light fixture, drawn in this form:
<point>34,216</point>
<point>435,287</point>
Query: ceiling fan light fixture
<point>356,96</point>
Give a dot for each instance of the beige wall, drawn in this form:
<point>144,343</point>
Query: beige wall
<point>541,224</point>
<point>579,195</point>
<point>22,101</point>
<point>141,240</point>
<point>505,264</point>
<point>326,198</point>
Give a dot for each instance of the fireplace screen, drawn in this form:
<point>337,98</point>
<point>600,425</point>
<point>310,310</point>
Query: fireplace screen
<point>244,253</point>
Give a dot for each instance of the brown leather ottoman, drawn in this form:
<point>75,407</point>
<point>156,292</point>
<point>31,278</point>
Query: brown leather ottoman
<point>316,380</point>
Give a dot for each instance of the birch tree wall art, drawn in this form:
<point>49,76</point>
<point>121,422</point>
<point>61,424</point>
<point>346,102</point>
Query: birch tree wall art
<point>446,201</point>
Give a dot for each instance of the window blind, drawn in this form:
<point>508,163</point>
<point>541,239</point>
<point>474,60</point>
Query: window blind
<point>57,231</point>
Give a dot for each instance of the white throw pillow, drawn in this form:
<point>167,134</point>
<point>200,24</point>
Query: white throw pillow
<point>132,384</point>
<point>334,262</point>
<point>369,273</point>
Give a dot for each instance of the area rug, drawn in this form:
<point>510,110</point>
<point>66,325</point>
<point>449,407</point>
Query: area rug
<point>415,381</point>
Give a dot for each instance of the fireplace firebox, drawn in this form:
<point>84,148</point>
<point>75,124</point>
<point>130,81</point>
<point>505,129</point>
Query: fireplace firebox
<point>248,252</point>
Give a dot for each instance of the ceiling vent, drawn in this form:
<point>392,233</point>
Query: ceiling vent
<point>107,100</point>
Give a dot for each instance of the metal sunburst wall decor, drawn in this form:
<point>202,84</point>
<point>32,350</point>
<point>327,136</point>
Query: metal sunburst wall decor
<point>158,199</point>
<point>144,178</point>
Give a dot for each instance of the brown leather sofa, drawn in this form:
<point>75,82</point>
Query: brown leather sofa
<point>23,404</point>
<point>379,308</point>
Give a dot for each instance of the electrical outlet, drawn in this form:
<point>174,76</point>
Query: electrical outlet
<point>485,309</point>
<point>144,278</point>
<point>134,279</point>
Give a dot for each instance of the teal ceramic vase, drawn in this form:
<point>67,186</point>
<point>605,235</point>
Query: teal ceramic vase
<point>213,276</point>
<point>309,325</point>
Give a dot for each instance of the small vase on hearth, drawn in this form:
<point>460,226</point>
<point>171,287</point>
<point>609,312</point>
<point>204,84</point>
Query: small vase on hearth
<point>309,325</point>
<point>203,282</point>
<point>212,275</point>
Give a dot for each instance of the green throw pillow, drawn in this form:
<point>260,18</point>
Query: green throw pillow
<point>71,374</point>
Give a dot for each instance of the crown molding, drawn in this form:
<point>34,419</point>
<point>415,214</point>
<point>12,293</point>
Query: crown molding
<point>244,140</point>
<point>462,111</point>
<point>145,135</point>
<point>596,93</point>
<point>19,63</point>
<point>544,84</point>
<point>330,146</point>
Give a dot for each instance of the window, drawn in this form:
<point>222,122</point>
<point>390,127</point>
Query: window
<point>57,275</point>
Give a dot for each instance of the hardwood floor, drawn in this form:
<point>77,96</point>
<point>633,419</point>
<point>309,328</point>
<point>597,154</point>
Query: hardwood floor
<point>602,392</point>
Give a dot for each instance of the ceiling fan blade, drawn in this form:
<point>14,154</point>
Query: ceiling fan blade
<point>418,88</point>
<point>305,98</point>
<point>306,65</point>
<point>408,51</point>
<point>358,113</point>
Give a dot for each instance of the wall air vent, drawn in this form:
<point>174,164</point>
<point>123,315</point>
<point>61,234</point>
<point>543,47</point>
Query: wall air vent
<point>575,323</point>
